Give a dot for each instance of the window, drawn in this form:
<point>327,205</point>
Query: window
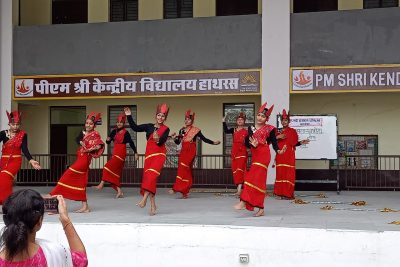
<point>380,3</point>
<point>236,7</point>
<point>113,112</point>
<point>69,11</point>
<point>300,6</point>
<point>232,111</point>
<point>124,10</point>
<point>178,9</point>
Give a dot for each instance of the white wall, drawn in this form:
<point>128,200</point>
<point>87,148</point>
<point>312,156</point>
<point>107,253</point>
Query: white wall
<point>6,19</point>
<point>275,59</point>
<point>204,245</point>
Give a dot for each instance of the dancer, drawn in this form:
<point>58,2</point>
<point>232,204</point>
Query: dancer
<point>255,180</point>
<point>72,184</point>
<point>188,135</point>
<point>112,171</point>
<point>286,162</point>
<point>14,141</point>
<point>156,135</point>
<point>239,150</point>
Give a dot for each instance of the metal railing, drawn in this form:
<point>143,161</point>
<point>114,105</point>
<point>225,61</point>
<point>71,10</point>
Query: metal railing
<point>208,170</point>
<point>371,172</point>
<point>355,172</point>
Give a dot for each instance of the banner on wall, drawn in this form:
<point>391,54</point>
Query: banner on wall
<point>185,83</point>
<point>368,78</point>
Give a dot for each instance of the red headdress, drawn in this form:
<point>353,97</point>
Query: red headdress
<point>95,117</point>
<point>285,115</point>
<point>14,116</point>
<point>241,115</point>
<point>266,111</point>
<point>189,115</point>
<point>121,118</point>
<point>162,108</point>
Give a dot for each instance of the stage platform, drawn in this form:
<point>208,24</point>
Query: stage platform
<point>205,230</point>
<point>216,209</point>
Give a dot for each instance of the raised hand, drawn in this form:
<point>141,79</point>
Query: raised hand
<point>217,142</point>
<point>62,210</point>
<point>127,111</point>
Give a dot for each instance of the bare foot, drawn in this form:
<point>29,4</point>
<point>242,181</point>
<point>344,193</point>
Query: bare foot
<point>171,192</point>
<point>82,210</point>
<point>98,187</point>
<point>153,211</point>
<point>142,203</point>
<point>239,206</point>
<point>259,213</point>
<point>119,195</point>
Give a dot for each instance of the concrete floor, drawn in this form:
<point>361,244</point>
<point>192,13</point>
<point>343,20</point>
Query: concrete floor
<point>216,209</point>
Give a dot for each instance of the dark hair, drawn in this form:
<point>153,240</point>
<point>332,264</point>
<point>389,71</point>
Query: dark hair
<point>21,212</point>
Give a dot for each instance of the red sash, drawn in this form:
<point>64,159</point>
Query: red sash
<point>190,134</point>
<point>160,131</point>
<point>13,145</point>
<point>262,133</point>
<point>119,136</point>
<point>91,140</point>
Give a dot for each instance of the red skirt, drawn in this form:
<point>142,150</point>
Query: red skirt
<point>72,184</point>
<point>154,161</point>
<point>184,177</point>
<point>255,180</point>
<point>239,163</point>
<point>9,166</point>
<point>285,173</point>
<point>112,171</point>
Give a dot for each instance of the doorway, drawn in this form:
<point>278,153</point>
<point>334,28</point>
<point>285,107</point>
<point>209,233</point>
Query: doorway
<point>65,125</point>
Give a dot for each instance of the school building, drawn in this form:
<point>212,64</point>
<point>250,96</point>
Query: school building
<point>61,59</point>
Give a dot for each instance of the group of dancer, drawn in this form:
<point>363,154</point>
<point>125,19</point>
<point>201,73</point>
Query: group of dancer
<point>251,184</point>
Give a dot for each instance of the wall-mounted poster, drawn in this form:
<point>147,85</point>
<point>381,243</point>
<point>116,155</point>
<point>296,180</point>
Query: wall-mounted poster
<point>356,152</point>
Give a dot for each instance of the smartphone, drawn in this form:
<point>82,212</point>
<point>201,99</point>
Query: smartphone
<point>51,205</point>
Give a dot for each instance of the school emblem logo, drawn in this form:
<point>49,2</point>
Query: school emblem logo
<point>303,79</point>
<point>249,83</point>
<point>24,88</point>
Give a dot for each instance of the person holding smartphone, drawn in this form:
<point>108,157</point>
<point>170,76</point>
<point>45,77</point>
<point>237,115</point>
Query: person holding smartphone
<point>23,214</point>
<point>72,184</point>
<point>112,171</point>
<point>155,156</point>
<point>188,135</point>
<point>15,142</point>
